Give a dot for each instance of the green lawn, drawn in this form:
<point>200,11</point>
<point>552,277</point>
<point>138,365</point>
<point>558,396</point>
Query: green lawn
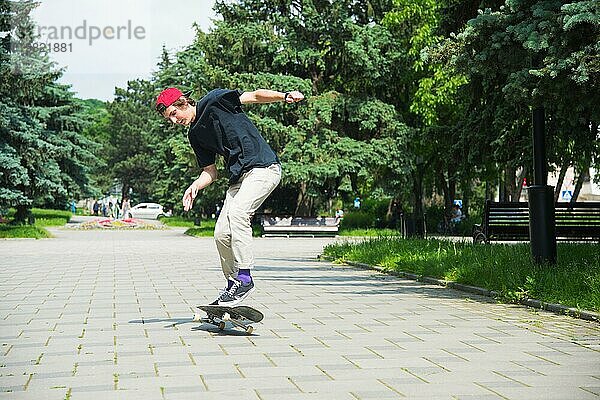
<point>368,232</point>
<point>508,269</point>
<point>24,231</point>
<point>205,229</point>
<point>180,222</point>
<point>43,218</point>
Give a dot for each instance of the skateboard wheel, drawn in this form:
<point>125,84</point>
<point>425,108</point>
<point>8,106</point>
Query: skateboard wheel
<point>221,325</point>
<point>249,330</point>
<point>197,317</point>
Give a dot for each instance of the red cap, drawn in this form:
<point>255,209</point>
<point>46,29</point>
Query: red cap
<point>168,96</point>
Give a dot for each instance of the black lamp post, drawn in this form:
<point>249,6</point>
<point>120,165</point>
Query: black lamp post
<point>542,225</point>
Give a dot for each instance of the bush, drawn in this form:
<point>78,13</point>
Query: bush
<point>372,214</point>
<point>433,216</point>
<point>378,209</point>
<point>465,228</point>
<point>358,219</point>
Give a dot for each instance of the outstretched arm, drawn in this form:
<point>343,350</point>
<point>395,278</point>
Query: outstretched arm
<point>270,96</point>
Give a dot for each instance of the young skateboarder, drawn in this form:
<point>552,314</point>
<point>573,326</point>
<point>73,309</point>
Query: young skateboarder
<point>218,125</point>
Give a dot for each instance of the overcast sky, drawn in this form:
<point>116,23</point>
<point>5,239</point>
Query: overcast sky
<point>108,42</point>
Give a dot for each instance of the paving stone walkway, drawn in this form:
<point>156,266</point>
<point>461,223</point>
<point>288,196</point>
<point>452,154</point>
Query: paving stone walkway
<point>108,315</point>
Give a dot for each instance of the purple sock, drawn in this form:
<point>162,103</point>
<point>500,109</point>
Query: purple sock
<point>244,276</point>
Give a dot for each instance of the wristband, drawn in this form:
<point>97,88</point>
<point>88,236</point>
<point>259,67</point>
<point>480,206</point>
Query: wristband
<point>285,96</point>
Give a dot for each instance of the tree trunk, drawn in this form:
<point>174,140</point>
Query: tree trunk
<point>354,184</point>
<point>509,179</point>
<point>519,188</point>
<point>466,198</point>
<point>451,189</point>
<point>303,203</point>
<point>561,178</point>
<point>445,189</point>
<point>582,175</point>
<point>125,191</point>
<point>22,215</point>
<point>501,187</point>
<point>418,206</point>
<point>315,78</point>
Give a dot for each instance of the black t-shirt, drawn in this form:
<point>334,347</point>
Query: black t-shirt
<point>221,127</point>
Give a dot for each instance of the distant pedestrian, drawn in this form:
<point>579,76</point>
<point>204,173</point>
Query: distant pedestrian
<point>116,210</point>
<point>456,214</point>
<point>339,215</point>
<point>125,207</point>
<point>96,207</point>
<point>395,214</point>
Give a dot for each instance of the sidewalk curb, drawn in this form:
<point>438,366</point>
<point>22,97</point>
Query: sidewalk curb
<point>533,303</point>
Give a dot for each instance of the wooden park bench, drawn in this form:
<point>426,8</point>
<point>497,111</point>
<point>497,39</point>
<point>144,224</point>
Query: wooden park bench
<point>298,226</point>
<point>510,221</point>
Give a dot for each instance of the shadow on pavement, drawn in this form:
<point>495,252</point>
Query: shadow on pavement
<point>206,327</point>
<point>173,321</point>
<point>374,283</point>
<point>228,331</point>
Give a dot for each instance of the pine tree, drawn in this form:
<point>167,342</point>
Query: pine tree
<point>43,156</point>
<point>524,54</point>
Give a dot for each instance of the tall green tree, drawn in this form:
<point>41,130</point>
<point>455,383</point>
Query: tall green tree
<point>348,61</point>
<point>433,103</point>
<point>133,145</point>
<point>43,156</point>
<point>528,53</point>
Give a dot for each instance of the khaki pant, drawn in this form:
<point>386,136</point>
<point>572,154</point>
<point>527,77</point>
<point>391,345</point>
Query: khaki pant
<point>233,232</point>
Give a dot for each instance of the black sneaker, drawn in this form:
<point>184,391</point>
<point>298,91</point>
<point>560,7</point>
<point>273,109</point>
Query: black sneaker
<point>236,294</point>
<point>222,292</point>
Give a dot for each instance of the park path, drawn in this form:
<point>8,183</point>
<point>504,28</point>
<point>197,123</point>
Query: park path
<point>107,315</point>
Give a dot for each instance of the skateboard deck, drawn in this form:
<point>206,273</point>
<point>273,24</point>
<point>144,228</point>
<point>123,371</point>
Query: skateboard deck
<point>239,316</point>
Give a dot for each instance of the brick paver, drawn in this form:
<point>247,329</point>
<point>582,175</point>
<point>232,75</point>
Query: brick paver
<point>109,315</point>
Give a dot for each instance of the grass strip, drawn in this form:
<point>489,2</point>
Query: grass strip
<point>504,268</point>
<point>50,217</point>
<point>43,218</point>
<point>207,228</point>
<point>23,231</point>
<point>368,232</point>
<point>181,222</point>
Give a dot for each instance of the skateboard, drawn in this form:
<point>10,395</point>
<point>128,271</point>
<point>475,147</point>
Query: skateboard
<point>239,316</point>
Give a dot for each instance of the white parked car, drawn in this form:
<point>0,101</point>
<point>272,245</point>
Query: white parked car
<point>148,211</point>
